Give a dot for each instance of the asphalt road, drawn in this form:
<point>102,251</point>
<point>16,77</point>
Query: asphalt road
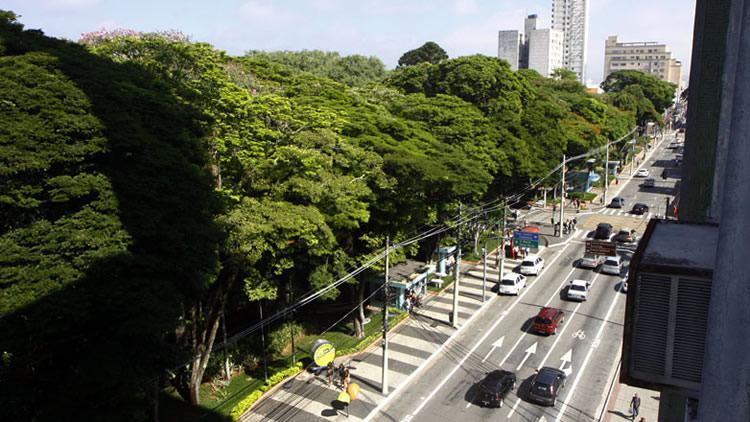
<point>587,345</point>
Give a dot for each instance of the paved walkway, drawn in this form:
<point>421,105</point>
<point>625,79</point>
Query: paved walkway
<point>619,404</point>
<point>308,397</point>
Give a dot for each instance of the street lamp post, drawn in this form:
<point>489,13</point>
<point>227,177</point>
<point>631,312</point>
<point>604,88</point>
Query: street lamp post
<point>632,154</point>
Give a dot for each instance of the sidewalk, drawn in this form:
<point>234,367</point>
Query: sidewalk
<point>619,404</point>
<point>308,397</point>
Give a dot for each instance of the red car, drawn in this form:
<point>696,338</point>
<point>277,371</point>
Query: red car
<point>547,320</point>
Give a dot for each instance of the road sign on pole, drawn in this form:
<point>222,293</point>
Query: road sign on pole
<point>601,247</point>
<point>526,239</point>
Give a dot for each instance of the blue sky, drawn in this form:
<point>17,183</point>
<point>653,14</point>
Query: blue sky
<point>382,28</point>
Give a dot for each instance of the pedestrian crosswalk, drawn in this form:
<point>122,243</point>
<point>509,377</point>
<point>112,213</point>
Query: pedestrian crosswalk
<point>619,211</point>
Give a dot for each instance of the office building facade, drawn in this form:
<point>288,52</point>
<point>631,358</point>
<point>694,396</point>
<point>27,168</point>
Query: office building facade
<point>545,48</point>
<point>571,17</point>
<point>652,58</point>
<point>509,47</point>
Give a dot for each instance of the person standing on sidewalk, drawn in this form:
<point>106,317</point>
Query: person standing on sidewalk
<point>635,406</point>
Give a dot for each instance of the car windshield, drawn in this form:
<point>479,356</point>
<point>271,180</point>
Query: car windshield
<point>577,287</point>
<point>589,257</point>
<point>506,282</point>
<point>540,320</point>
<point>527,263</point>
<point>611,262</point>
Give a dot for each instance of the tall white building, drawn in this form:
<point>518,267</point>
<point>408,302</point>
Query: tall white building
<point>538,49</point>
<point>545,50</point>
<point>571,17</point>
<point>509,46</point>
<point>652,58</point>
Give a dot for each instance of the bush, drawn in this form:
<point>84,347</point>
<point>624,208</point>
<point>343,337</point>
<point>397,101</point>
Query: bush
<point>280,339</point>
<point>276,378</point>
<point>583,196</point>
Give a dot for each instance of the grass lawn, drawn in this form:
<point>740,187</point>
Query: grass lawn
<point>447,281</point>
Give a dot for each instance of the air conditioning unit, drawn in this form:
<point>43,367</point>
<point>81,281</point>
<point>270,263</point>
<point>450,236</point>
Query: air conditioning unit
<point>666,316</point>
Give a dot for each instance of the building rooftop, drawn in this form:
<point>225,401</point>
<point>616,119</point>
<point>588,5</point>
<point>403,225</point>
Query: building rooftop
<point>682,245</point>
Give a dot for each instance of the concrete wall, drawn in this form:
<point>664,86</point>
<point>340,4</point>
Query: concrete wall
<point>508,44</point>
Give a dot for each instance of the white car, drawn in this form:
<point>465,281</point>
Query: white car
<point>532,265</point>
<point>511,284</point>
<point>590,261</point>
<point>650,182</point>
<point>612,265</point>
<point>641,173</point>
<point>578,290</point>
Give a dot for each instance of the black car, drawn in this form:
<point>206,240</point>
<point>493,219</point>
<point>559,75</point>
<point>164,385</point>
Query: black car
<point>617,202</point>
<point>603,231</point>
<point>546,385</point>
<point>639,209</point>
<point>495,386</point>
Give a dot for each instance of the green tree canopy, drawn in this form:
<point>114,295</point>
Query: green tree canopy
<point>429,52</point>
<point>660,93</point>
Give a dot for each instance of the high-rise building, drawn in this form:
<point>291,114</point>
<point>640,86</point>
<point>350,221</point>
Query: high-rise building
<point>545,48</point>
<point>652,58</point>
<point>571,17</point>
<point>538,49</point>
<point>508,47</point>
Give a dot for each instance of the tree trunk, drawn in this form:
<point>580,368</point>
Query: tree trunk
<point>202,351</point>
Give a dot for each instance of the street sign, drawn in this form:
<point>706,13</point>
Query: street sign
<point>601,247</point>
<point>526,239</point>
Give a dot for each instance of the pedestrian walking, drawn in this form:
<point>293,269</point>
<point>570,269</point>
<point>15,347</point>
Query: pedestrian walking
<point>407,304</point>
<point>331,371</point>
<point>346,378</point>
<point>635,406</point>
<point>575,223</point>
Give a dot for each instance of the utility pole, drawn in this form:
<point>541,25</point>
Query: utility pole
<point>263,342</point>
<point>456,279</point>
<point>606,170</point>
<point>291,326</point>
<point>386,299</point>
<point>484,270</point>
<point>632,155</point>
<point>562,197</point>
<point>501,252</point>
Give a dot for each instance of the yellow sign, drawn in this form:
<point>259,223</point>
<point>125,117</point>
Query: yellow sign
<point>344,397</point>
<point>323,352</point>
<point>353,390</point>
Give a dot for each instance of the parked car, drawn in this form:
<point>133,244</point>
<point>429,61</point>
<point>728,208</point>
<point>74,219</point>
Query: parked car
<point>546,385</point>
<point>495,387</point>
<point>642,173</point>
<point>578,290</point>
<point>650,182</point>
<point>547,320</point>
<point>590,261</point>
<point>625,235</point>
<point>612,265</point>
<point>617,202</point>
<point>511,284</point>
<point>673,145</point>
<point>532,265</point>
<point>603,231</point>
<point>639,208</point>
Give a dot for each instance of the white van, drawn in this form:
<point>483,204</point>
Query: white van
<point>612,265</point>
<point>532,265</point>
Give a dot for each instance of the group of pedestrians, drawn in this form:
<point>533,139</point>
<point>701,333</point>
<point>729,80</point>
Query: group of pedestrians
<point>570,225</point>
<point>343,373</point>
<point>412,301</point>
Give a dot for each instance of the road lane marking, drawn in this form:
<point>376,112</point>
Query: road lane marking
<point>588,356</point>
<point>530,351</point>
<point>513,409</point>
<point>555,293</point>
<point>567,324</point>
<point>476,345</point>
<point>567,358</point>
<point>580,334</point>
<point>496,345</point>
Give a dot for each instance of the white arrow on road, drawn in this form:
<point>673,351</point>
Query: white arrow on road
<point>530,351</point>
<point>567,358</point>
<point>496,345</point>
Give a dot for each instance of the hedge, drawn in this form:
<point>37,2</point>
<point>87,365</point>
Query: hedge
<point>276,378</point>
